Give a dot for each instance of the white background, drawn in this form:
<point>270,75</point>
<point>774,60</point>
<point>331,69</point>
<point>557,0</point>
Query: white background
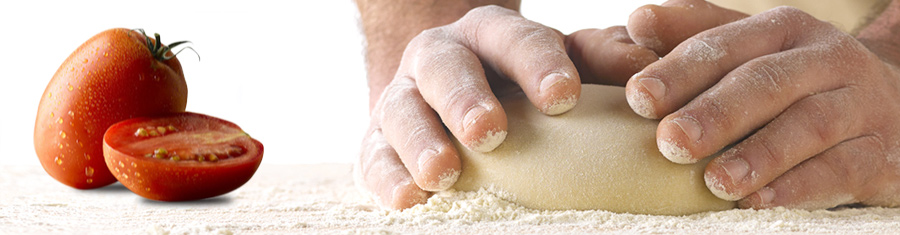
<point>290,73</point>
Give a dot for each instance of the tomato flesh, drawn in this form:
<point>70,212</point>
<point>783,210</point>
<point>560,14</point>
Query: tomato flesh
<point>178,157</point>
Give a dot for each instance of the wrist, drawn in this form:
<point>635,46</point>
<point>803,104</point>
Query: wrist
<point>881,35</point>
<point>388,26</point>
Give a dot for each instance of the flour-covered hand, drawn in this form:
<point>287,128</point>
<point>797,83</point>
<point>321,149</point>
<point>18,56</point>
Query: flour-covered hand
<point>805,113</point>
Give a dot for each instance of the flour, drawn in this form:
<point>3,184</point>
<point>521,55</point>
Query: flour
<point>674,152</point>
<point>491,140</point>
<point>487,210</point>
<point>705,49</point>
<point>641,103</point>
<point>321,199</point>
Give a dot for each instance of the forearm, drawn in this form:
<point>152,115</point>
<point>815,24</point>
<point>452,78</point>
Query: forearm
<point>389,25</point>
<point>882,36</point>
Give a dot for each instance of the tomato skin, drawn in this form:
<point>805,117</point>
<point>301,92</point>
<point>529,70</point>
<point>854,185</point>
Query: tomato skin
<point>113,76</point>
<point>168,180</point>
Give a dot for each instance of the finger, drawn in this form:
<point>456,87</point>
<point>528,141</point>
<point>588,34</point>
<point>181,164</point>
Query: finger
<point>529,53</point>
<point>663,27</point>
<point>743,101</point>
<point>607,56</point>
<point>806,129</point>
<point>380,174</point>
<point>452,81</point>
<point>838,176</point>
<point>764,85</point>
<point>411,127</point>
<point>702,60</point>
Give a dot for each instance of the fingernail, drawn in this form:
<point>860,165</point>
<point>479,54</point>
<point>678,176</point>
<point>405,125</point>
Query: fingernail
<point>737,169</point>
<point>473,115</point>
<point>490,141</point>
<point>552,80</point>
<point>766,195</point>
<point>447,179</point>
<point>640,102</point>
<point>560,106</point>
<point>655,86</point>
<point>674,152</point>
<point>690,127</point>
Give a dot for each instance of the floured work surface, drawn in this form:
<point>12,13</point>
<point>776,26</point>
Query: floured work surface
<point>322,199</point>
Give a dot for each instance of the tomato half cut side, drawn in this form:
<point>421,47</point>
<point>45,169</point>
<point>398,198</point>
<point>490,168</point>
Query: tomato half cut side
<point>179,157</point>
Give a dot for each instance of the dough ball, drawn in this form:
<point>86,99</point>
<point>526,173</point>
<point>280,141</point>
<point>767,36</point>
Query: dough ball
<point>598,156</point>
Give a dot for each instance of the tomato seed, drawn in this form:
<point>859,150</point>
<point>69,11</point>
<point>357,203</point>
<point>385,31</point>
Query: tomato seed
<point>141,132</point>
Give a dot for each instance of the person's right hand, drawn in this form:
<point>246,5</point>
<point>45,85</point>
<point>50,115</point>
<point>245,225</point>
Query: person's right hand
<point>448,77</point>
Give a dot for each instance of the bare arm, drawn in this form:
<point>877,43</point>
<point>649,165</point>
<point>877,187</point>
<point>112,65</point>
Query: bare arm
<point>389,25</point>
<point>882,36</point>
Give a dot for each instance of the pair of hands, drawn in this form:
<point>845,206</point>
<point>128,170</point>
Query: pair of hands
<point>803,111</point>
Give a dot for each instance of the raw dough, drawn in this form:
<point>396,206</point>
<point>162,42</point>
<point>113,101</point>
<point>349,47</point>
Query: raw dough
<point>600,155</point>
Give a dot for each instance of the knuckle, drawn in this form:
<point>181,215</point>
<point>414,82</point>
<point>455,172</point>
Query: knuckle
<point>772,156</point>
<point>615,34</point>
<point>643,18</point>
<point>375,150</point>
<point>416,138</point>
<point>705,47</point>
<point>428,37</point>
<point>533,32</point>
<point>849,56</point>
<point>472,20</point>
<point>796,19</point>
<point>766,76</point>
<point>642,26</point>
<point>376,145</point>
<point>839,164</point>
<point>826,122</point>
<point>431,33</point>
<point>459,98</point>
<point>789,12</point>
<point>399,91</point>
<point>397,99</point>
<point>482,11</point>
<point>713,110</point>
<point>821,125</point>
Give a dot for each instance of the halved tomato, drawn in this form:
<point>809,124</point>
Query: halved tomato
<point>182,156</point>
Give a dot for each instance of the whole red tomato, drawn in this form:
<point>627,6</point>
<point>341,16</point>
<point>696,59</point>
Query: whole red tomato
<point>116,75</point>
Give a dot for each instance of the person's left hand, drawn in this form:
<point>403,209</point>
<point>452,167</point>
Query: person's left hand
<point>811,111</point>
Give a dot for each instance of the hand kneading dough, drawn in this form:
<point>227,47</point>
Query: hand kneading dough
<point>600,155</point>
